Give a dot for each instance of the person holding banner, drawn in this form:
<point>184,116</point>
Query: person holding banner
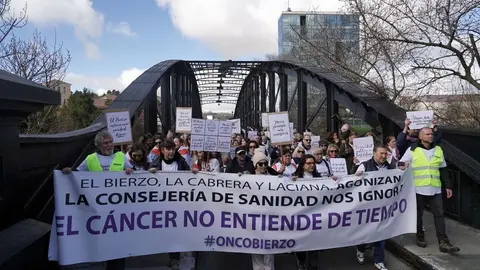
<point>322,166</point>
<point>377,163</point>
<point>307,169</point>
<point>139,157</point>
<point>170,161</point>
<point>429,173</point>
<point>261,261</point>
<point>241,163</point>
<point>104,159</point>
<point>206,163</point>
<point>285,166</point>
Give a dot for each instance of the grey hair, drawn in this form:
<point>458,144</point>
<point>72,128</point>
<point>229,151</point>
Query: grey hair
<point>102,134</point>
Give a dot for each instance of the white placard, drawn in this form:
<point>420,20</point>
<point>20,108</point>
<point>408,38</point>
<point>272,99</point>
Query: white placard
<point>218,214</point>
<point>252,134</point>
<point>264,120</point>
<point>198,126</point>
<point>224,144</point>
<point>363,148</point>
<point>118,124</point>
<point>211,127</point>
<point>279,127</point>
<point>210,144</point>
<point>236,126</point>
<point>183,122</point>
<point>224,129</point>
<point>315,140</point>
<point>420,119</point>
<point>196,142</point>
<point>339,166</point>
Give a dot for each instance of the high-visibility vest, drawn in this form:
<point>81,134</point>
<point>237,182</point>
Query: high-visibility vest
<point>117,165</point>
<point>425,172</point>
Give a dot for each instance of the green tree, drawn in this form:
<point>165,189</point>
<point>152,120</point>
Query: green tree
<point>80,110</point>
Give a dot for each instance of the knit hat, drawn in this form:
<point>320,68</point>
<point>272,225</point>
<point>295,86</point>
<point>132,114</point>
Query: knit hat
<point>258,156</point>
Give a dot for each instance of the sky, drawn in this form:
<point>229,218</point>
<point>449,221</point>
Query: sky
<point>112,42</point>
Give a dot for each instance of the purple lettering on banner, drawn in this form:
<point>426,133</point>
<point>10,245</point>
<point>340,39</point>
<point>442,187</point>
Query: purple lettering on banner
<point>70,230</point>
<point>299,222</point>
<point>403,206</point>
<point>254,220</point>
<point>170,217</point>
<point>360,215</point>
<point>110,223</point>
<point>203,217</point>
<point>273,220</point>
<point>187,217</point>
<point>347,216</point>
<point>224,218</point>
<point>156,219</point>
<point>317,221</point>
<point>59,224</point>
<point>331,217</point>
<point>375,214</point>
<point>89,225</point>
<point>139,220</point>
<point>127,221</point>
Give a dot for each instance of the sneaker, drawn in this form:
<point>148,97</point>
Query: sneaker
<point>445,246</point>
<point>360,257</point>
<point>380,266</point>
<point>421,240</point>
<point>302,265</point>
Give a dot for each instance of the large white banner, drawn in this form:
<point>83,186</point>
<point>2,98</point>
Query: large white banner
<point>103,216</point>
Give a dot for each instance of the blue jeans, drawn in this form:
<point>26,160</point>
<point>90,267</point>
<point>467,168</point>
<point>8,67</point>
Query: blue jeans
<point>378,253</point>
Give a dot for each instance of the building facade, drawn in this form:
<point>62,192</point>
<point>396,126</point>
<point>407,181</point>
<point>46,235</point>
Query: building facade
<point>332,30</point>
<point>64,88</point>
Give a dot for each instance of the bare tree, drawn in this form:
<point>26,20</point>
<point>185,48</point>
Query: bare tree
<point>354,50</point>
<point>10,19</point>
<point>35,59</point>
<point>440,37</point>
<point>40,62</point>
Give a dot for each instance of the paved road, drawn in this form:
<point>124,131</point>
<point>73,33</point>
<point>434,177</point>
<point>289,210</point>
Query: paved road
<point>337,259</point>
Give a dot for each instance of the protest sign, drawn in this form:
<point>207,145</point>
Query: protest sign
<point>183,121</point>
<point>363,148</point>
<point>278,124</point>
<point>236,126</point>
<point>110,215</point>
<point>339,166</point>
<point>118,124</point>
<point>420,119</point>
<point>264,120</point>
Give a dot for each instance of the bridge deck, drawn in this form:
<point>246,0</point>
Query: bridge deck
<point>338,259</point>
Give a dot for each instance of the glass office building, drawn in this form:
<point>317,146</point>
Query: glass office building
<point>322,28</point>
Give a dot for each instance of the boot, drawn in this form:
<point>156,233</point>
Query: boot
<point>445,246</point>
<point>421,240</point>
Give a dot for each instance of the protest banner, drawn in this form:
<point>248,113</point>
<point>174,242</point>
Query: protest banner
<point>104,216</point>
<point>183,122</point>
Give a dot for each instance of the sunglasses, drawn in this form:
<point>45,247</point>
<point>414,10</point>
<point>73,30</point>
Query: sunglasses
<point>333,151</point>
<point>137,156</point>
<point>300,152</point>
<point>262,164</point>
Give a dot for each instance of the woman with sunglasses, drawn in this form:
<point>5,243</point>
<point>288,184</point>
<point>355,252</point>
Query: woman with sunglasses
<point>332,151</point>
<point>306,169</point>
<point>260,164</point>
<point>298,154</point>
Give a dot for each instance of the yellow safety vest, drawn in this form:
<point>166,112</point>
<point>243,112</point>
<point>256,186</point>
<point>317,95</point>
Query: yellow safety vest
<point>118,163</point>
<point>425,172</point>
